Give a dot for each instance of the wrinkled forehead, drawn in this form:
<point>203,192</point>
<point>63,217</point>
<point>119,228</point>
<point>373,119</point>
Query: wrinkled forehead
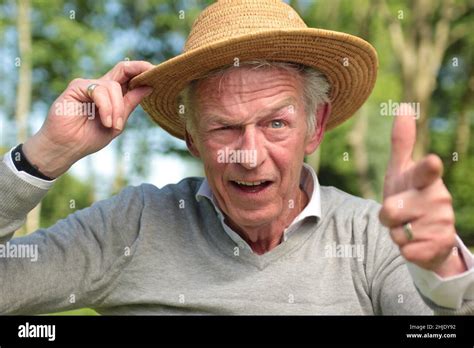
<point>248,83</point>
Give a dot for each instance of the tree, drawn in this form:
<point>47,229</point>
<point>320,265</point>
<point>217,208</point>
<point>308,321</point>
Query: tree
<point>358,19</point>
<point>23,96</point>
<point>420,35</point>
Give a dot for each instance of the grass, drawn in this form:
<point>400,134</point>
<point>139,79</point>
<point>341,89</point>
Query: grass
<point>82,311</point>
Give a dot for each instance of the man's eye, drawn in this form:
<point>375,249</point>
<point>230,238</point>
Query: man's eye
<point>277,124</point>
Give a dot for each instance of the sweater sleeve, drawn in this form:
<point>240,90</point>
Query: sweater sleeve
<point>71,264</point>
<point>17,198</point>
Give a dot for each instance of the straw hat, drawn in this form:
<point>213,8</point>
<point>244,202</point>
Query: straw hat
<point>260,29</point>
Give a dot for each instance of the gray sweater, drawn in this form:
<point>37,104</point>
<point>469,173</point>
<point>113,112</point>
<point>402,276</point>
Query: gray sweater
<point>145,252</point>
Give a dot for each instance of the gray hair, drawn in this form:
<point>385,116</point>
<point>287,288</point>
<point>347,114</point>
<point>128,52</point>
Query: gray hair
<point>315,89</point>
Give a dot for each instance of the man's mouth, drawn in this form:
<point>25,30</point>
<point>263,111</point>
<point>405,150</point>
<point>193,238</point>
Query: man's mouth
<point>251,186</point>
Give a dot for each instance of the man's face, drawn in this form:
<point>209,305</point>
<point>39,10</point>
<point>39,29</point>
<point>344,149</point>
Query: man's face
<point>251,129</point>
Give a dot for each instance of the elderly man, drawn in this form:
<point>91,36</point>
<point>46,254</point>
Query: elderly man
<point>253,93</point>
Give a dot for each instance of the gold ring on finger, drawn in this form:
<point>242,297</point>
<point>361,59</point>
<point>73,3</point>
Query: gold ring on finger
<point>91,88</point>
<point>408,231</point>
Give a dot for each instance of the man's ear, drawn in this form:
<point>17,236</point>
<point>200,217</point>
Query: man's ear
<point>191,145</point>
<point>322,116</point>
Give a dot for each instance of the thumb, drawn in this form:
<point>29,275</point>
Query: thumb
<point>403,139</point>
<point>134,97</point>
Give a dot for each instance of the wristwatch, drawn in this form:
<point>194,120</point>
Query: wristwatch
<point>23,165</point>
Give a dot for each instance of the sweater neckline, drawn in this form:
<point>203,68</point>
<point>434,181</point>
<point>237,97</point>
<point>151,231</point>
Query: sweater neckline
<point>226,245</point>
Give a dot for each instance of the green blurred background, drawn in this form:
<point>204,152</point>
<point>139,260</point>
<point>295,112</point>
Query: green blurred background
<point>426,56</point>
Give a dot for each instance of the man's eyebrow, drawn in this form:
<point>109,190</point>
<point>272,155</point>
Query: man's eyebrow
<point>214,118</point>
<point>290,101</point>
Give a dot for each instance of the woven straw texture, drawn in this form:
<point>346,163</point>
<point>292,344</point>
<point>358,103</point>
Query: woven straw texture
<point>260,29</point>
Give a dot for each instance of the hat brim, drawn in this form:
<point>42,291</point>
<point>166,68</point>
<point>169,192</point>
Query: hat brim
<point>349,63</point>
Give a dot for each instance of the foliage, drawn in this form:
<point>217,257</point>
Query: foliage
<point>84,38</point>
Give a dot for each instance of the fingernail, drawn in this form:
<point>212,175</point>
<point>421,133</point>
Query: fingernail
<point>108,121</point>
<point>119,123</point>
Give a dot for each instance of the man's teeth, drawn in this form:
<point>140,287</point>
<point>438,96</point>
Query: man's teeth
<point>248,183</point>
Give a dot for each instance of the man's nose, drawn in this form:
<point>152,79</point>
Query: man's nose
<point>251,147</point>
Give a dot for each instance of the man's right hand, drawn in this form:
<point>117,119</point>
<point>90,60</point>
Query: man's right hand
<point>69,134</point>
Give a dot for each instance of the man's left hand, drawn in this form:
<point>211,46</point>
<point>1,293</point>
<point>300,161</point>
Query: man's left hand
<point>414,193</point>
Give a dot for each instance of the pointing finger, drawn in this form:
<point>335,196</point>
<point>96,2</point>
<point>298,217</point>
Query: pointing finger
<point>403,139</point>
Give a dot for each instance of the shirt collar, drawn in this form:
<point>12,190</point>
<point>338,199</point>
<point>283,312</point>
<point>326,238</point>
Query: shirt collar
<point>308,182</point>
